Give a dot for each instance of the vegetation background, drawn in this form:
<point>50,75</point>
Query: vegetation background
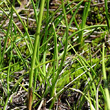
<point>54,54</point>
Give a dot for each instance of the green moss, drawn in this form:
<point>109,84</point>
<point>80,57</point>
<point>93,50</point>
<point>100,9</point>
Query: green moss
<point>94,60</point>
<point>96,9</point>
<point>99,17</point>
<point>27,52</point>
<point>101,9</point>
<point>98,40</point>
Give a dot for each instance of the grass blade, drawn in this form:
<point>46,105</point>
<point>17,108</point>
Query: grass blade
<point>107,101</point>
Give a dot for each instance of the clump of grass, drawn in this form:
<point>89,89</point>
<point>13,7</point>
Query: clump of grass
<point>35,50</point>
<point>53,65</point>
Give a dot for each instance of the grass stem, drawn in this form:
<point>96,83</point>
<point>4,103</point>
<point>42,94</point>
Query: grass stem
<point>36,44</point>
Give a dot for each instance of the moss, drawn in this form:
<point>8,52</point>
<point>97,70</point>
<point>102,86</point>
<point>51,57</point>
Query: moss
<point>99,17</point>
<point>96,9</point>
<point>27,52</point>
<point>101,9</point>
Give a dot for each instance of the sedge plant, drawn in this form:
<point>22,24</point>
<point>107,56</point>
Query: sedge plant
<point>83,24</point>
<point>106,90</point>
<point>8,72</point>
<point>36,44</point>
<point>107,15</point>
<point>58,74</point>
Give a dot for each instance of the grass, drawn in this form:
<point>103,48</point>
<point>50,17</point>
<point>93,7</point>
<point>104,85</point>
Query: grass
<point>51,57</point>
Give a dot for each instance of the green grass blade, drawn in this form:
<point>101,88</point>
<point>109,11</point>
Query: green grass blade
<point>107,15</point>
<point>107,101</point>
<point>36,47</point>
